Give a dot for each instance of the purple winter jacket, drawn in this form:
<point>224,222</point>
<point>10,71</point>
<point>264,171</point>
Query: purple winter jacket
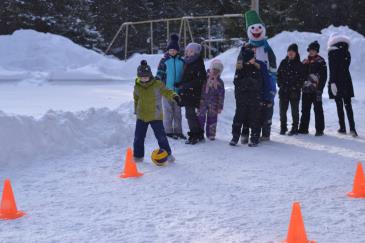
<point>214,98</point>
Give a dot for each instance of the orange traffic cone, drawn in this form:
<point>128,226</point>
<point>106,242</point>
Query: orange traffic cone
<point>130,167</point>
<point>296,232</point>
<point>359,183</point>
<point>8,208</point>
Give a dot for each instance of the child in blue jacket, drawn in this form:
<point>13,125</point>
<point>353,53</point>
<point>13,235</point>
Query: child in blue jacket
<point>170,71</point>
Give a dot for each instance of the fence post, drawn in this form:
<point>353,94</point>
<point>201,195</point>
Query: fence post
<point>168,30</point>
<point>126,43</point>
<point>151,38</point>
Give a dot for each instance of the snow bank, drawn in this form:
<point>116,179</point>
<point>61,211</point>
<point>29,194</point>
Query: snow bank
<point>30,55</point>
<point>60,133</point>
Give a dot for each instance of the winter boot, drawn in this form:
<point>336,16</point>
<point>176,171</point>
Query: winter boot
<point>200,136</point>
<point>244,139</point>
<point>138,159</point>
<point>342,130</point>
<point>253,142</point>
<point>354,133</point>
<point>234,141</point>
<point>319,134</point>
<point>264,139</point>
<point>302,131</point>
<point>293,131</point>
<point>193,139</point>
<point>283,130</point>
<point>171,158</point>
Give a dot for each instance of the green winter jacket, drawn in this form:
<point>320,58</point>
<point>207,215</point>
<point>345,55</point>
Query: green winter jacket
<point>148,99</point>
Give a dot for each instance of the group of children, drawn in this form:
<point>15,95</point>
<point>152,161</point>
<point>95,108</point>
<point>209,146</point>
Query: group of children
<point>184,82</point>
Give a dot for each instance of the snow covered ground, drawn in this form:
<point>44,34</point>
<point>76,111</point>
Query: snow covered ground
<point>63,141</point>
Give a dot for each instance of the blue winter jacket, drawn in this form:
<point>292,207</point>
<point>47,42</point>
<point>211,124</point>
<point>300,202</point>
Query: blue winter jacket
<point>170,71</point>
<point>269,89</point>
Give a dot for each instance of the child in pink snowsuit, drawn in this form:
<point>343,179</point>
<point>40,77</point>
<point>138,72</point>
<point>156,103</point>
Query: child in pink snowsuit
<point>212,99</point>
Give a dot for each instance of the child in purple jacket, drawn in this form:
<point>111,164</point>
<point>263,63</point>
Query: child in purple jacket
<point>212,99</point>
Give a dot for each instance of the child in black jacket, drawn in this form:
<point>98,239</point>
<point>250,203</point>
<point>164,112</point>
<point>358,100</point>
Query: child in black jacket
<point>248,84</point>
<point>290,81</point>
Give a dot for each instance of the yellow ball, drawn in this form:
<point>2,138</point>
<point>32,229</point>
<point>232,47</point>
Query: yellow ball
<point>159,157</point>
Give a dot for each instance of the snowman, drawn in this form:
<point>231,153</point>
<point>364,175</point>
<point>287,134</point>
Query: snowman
<point>256,32</point>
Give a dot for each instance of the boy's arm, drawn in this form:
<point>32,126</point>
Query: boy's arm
<point>323,75</point>
<point>161,71</point>
<point>167,93</point>
<point>280,75</point>
<point>135,97</point>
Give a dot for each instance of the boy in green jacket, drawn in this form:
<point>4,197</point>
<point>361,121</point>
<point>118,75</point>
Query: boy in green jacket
<point>148,94</point>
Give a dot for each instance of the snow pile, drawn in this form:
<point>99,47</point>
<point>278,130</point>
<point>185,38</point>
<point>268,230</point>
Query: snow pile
<point>62,133</point>
<point>30,55</point>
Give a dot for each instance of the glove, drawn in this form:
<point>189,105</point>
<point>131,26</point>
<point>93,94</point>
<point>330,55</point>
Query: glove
<point>334,89</point>
<point>319,96</point>
<point>177,100</point>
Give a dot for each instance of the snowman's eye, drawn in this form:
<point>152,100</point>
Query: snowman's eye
<point>252,28</point>
<point>260,27</point>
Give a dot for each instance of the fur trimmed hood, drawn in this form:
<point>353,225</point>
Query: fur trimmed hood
<point>335,39</point>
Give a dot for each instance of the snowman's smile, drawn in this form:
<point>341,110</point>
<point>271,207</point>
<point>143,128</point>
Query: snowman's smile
<point>256,35</point>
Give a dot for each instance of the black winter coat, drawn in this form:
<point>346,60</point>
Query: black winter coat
<point>248,84</point>
<point>192,82</point>
<point>317,66</point>
<point>291,76</point>
<point>339,59</point>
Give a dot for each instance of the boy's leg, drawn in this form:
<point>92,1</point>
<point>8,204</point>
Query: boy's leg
<point>306,112</point>
<point>177,119</point>
<point>319,115</point>
<point>168,115</point>
<point>294,106</point>
<point>284,104</point>
<point>268,114</point>
<point>139,137</point>
<point>193,120</point>
<point>160,135</point>
<point>237,122</point>
<point>340,113</point>
<point>350,113</point>
<point>254,121</point>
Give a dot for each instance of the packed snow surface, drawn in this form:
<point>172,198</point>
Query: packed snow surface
<point>66,121</point>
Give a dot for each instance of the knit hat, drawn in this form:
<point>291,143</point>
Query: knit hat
<point>217,64</point>
<point>252,18</point>
<point>247,55</point>
<point>195,47</point>
<point>293,47</point>
<point>314,46</point>
<point>144,70</point>
<point>173,43</point>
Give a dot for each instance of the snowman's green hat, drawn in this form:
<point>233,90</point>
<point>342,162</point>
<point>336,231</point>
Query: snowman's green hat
<point>252,18</point>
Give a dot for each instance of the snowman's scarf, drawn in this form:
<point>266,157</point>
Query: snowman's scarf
<point>260,43</point>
